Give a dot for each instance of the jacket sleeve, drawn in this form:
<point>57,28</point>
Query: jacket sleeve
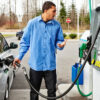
<point>59,37</point>
<point>25,41</point>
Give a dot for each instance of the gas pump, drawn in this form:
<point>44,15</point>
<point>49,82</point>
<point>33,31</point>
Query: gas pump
<point>92,67</point>
<point>84,84</point>
<point>95,22</point>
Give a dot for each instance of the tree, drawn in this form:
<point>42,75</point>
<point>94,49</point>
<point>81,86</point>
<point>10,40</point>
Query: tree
<point>24,18</point>
<point>87,19</point>
<point>30,9</point>
<point>73,15</point>
<point>63,14</point>
<point>84,19</point>
<point>82,16</point>
<point>3,19</point>
<point>14,18</point>
<point>39,12</point>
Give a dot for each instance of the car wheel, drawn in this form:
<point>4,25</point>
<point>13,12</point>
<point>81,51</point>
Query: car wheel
<point>18,38</point>
<point>7,92</point>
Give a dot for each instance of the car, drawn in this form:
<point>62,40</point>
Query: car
<point>6,69</point>
<point>19,34</point>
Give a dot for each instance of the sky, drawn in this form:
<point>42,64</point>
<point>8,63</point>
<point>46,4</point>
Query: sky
<point>19,4</point>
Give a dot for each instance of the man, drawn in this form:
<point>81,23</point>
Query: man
<point>42,36</point>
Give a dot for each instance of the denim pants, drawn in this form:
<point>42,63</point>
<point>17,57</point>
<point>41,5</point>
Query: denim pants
<point>50,82</point>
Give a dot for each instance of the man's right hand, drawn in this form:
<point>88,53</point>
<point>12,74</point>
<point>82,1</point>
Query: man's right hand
<point>16,60</point>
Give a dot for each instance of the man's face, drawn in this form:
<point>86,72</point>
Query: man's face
<point>51,13</point>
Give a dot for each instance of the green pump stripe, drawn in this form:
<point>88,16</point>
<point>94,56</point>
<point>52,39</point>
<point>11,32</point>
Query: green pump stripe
<point>81,93</point>
<point>95,52</point>
<point>90,10</point>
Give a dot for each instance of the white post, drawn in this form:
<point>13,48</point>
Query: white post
<point>78,23</point>
<point>68,27</point>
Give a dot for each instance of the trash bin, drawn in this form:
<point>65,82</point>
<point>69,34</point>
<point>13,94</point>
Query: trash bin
<point>74,74</point>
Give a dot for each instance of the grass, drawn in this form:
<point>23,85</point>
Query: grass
<point>8,35</point>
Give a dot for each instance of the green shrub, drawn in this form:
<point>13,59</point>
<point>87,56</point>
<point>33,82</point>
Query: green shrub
<point>73,36</point>
<point>64,35</point>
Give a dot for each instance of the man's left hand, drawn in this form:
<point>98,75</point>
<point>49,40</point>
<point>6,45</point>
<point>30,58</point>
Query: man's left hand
<point>62,44</point>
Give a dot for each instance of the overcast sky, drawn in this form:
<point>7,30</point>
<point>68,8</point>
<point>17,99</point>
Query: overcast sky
<point>20,5</point>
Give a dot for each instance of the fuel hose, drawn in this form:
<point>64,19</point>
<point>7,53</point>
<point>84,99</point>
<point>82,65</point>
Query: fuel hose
<point>72,85</point>
<point>79,90</point>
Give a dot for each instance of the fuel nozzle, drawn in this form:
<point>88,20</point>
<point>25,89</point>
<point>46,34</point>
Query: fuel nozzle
<point>17,64</point>
<point>98,8</point>
<point>82,48</point>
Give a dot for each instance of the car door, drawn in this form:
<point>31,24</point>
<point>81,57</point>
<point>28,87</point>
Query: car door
<point>6,53</point>
<point>3,75</point>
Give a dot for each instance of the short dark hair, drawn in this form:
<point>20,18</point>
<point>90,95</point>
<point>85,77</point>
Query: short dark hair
<point>47,5</point>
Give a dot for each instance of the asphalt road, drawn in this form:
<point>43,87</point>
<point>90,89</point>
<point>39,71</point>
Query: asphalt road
<point>65,59</point>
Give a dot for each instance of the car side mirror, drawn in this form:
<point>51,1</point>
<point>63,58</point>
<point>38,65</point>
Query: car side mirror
<point>13,45</point>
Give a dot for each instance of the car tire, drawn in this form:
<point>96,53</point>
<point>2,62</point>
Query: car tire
<point>6,97</point>
<point>18,38</point>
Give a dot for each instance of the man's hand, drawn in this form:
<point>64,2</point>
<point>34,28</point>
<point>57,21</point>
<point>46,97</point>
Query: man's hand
<point>62,44</point>
<point>16,60</point>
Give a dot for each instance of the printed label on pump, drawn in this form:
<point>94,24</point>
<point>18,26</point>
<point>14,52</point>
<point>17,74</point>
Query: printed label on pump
<point>96,63</point>
<point>93,61</point>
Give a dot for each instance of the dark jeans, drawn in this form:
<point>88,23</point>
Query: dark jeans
<point>36,79</point>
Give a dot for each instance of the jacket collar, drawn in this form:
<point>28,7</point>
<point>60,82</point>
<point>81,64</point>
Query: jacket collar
<point>40,19</point>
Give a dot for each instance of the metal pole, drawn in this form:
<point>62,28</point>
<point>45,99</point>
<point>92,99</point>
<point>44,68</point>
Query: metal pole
<point>90,10</point>
<point>78,23</point>
<point>57,7</point>
<point>68,27</point>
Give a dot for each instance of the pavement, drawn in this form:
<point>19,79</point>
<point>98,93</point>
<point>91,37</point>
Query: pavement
<point>24,94</point>
<point>20,89</point>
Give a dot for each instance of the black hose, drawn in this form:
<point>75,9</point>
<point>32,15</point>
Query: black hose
<point>72,85</point>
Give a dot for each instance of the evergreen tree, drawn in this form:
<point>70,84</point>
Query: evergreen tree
<point>84,19</point>
<point>81,18</point>
<point>63,13</point>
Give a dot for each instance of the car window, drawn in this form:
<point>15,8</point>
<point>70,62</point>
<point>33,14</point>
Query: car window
<point>3,44</point>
